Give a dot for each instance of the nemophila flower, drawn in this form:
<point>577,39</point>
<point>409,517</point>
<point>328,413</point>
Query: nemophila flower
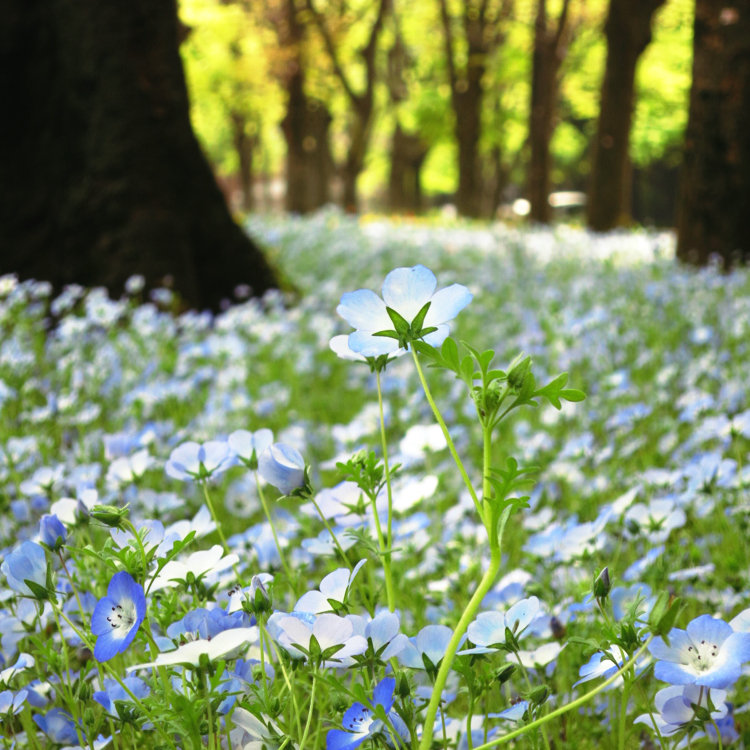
<point>601,664</point>
<point>708,654</point>
<point>127,469</point>
<point>675,708</point>
<point>12,703</point>
<point>198,461</point>
<point>427,647</point>
<point>334,587</point>
<point>282,466</point>
<point>26,563</point>
<point>58,726</point>
<point>247,446</point>
<point>52,532</point>
<point>113,691</point>
<point>655,520</point>
<point>258,588</point>
<point>196,565</point>
<point>360,724</point>
<point>329,630</point>
<point>117,616</point>
<point>489,628</point>
<point>24,661</point>
<point>222,646</point>
<point>407,291</point>
<point>206,623</point>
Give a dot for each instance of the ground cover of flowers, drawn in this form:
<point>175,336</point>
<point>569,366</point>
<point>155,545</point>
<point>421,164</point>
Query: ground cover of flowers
<point>274,528</point>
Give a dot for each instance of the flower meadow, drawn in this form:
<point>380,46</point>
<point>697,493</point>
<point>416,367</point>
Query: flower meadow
<point>460,487</point>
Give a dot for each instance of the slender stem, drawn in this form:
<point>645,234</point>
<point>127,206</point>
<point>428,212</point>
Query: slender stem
<point>488,579</point>
<point>207,687</point>
<point>264,503</point>
<point>568,706</point>
<point>446,434</point>
<point>386,544</point>
<point>210,504</point>
<point>622,728</point>
<point>310,709</point>
<point>330,531</point>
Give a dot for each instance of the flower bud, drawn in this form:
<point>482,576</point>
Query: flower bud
<point>110,515</point>
<point>52,533</point>
<point>282,466</point>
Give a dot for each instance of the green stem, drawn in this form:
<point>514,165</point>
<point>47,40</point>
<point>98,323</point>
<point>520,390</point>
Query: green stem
<point>488,579</point>
<point>264,503</point>
<point>309,710</point>
<point>446,434</point>
<point>207,687</point>
<point>568,706</point>
<point>210,504</point>
<point>330,531</point>
<point>622,729</point>
<point>385,544</point>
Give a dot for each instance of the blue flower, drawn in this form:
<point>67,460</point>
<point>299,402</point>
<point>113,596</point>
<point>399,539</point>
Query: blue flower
<point>58,726</point>
<point>12,703</point>
<point>430,644</point>
<point>282,466</point>
<point>708,654</point>
<point>27,563</point>
<point>361,724</point>
<point>198,460</point>
<point>247,446</point>
<point>118,616</point>
<point>113,691</point>
<point>407,291</point>
<point>52,532</point>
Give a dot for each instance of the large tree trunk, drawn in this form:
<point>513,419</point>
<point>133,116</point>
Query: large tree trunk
<point>715,187</point>
<point>467,105</point>
<point>359,138</point>
<point>103,177</point>
<point>408,152</point>
<point>628,32</point>
<point>549,52</point>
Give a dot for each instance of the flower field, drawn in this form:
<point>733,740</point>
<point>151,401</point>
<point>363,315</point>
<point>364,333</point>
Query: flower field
<point>458,487</point>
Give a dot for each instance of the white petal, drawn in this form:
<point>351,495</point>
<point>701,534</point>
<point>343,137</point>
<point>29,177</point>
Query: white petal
<point>407,290</point>
<point>364,310</point>
<point>446,304</point>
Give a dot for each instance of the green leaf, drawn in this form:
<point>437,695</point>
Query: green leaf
<point>467,369</point>
<point>418,322</point>
<point>388,334</point>
<point>449,350</point>
<point>399,322</point>
<point>572,394</point>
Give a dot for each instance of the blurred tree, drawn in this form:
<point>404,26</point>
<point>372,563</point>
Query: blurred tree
<point>715,189</point>
<point>628,33</point>
<point>361,101</point>
<point>481,26</point>
<point>408,148</point>
<point>102,175</point>
<point>306,123</point>
<point>550,47</point>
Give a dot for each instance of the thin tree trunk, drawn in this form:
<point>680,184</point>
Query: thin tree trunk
<point>408,152</point>
<point>549,52</point>
<point>628,33</point>
<point>715,185</point>
<point>103,177</point>
<point>244,145</point>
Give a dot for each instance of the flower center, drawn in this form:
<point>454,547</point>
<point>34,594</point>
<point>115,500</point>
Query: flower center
<point>702,655</point>
<point>122,617</point>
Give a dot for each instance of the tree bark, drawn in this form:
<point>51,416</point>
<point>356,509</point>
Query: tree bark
<point>408,152</point>
<point>628,33</point>
<point>715,184</point>
<point>481,25</point>
<point>309,164</point>
<point>103,177</point>
<point>549,52</point>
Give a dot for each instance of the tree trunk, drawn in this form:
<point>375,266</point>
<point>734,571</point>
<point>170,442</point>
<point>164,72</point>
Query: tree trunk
<point>628,33</point>
<point>549,51</point>
<point>244,145</point>
<point>103,175</point>
<point>309,164</point>
<point>408,152</point>
<point>359,137</point>
<point>715,183</point>
<point>467,104</point>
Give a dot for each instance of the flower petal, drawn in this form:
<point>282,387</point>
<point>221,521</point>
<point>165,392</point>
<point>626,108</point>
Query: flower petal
<point>407,290</point>
<point>364,310</point>
<point>447,303</point>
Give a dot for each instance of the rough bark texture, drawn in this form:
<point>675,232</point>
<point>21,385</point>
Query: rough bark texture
<point>309,164</point>
<point>549,51</point>
<point>713,215</point>
<point>408,152</point>
<point>481,24</point>
<point>628,32</point>
<point>102,175</point>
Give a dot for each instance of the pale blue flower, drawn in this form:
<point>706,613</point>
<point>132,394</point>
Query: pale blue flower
<point>708,654</point>
<point>282,466</point>
<point>407,291</point>
<point>26,563</point>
